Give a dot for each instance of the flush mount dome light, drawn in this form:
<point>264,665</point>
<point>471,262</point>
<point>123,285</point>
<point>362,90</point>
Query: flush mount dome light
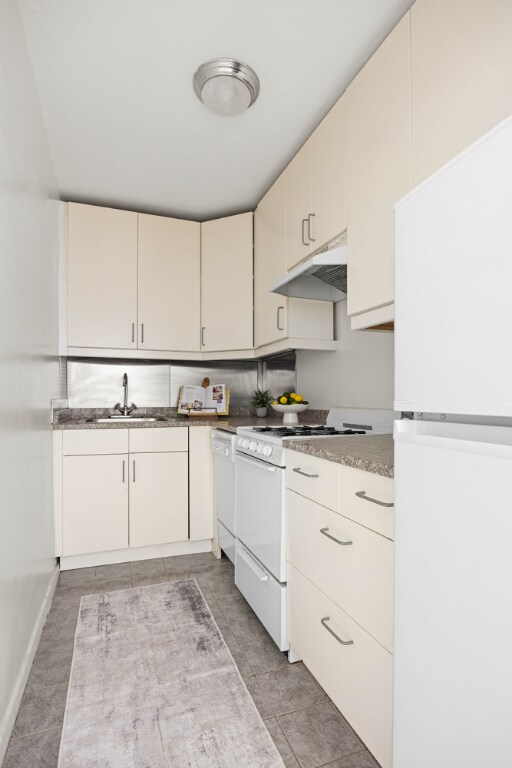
<point>226,86</point>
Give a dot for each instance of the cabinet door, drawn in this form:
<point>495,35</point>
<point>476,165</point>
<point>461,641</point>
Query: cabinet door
<point>169,284</point>
<point>461,76</point>
<point>270,309</point>
<point>298,206</point>
<point>227,283</point>
<point>329,175</point>
<point>94,504</point>
<point>378,168</point>
<point>158,498</point>
<point>102,277</point>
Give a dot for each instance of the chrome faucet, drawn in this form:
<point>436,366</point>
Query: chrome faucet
<point>125,410</point>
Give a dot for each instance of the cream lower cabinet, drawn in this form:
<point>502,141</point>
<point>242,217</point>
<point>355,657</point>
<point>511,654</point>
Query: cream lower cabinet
<point>200,484</point>
<point>340,589</point>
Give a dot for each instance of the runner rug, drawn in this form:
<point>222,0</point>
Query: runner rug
<point>153,685</point>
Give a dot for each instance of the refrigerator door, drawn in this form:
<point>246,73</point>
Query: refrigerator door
<point>453,596</point>
<point>453,241</point>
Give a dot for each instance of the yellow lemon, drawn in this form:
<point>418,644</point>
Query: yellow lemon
<point>298,398</point>
<point>293,395</point>
<point>283,400</point>
<point>274,402</point>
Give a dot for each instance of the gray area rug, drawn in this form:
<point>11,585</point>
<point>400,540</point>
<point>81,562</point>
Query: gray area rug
<point>153,685</point>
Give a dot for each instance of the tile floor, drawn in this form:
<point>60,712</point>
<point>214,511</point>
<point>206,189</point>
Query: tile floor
<point>307,729</point>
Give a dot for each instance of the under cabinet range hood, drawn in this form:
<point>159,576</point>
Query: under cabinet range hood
<point>322,276</point>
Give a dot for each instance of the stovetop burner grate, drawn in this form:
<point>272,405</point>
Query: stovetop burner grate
<point>307,431</point>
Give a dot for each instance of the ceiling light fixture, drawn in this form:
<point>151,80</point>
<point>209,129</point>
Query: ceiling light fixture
<point>226,86</point>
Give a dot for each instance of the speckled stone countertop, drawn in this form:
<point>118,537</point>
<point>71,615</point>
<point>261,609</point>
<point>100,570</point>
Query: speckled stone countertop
<point>80,419</point>
<point>371,453</point>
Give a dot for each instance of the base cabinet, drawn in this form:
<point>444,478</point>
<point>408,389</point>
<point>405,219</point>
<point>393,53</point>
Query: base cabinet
<point>95,503</point>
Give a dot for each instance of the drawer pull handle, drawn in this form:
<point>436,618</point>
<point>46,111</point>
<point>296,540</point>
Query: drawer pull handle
<point>362,495</point>
<point>299,471</point>
<point>324,621</point>
<point>333,538</point>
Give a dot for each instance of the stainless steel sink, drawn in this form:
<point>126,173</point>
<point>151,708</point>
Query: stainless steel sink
<point>137,419</point>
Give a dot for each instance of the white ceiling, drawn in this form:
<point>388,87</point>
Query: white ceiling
<point>124,125</point>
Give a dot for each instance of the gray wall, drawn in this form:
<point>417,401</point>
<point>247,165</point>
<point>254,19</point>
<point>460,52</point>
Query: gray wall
<point>360,374</point>
<point>98,383</point>
<point>29,364</point>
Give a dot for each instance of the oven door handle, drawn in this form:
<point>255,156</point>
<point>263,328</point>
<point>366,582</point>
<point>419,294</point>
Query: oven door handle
<point>256,463</point>
<point>253,565</point>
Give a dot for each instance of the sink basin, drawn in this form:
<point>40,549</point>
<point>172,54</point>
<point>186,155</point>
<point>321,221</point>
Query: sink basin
<point>137,419</point>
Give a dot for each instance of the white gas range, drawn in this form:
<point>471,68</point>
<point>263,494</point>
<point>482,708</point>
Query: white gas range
<point>260,510</point>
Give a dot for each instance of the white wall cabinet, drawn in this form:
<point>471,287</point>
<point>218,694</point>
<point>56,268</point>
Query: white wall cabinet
<point>169,283</point>
<point>340,590</point>
<point>316,188</point>
<point>101,277</point>
<point>227,283</point>
<point>378,169</point>
<point>277,317</point>
<point>461,77</point>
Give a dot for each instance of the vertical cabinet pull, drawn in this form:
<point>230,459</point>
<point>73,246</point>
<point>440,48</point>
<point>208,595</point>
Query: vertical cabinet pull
<point>202,336</point>
<point>278,318</point>
<point>310,236</point>
<point>324,621</point>
<point>133,332</point>
<point>134,471</point>
<point>304,221</point>
<point>123,471</point>
<point>142,333</point>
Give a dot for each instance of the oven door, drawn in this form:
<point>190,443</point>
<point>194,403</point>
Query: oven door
<point>260,513</point>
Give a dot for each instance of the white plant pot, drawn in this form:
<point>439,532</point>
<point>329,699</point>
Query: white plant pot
<point>290,412</point>
<point>261,412</point>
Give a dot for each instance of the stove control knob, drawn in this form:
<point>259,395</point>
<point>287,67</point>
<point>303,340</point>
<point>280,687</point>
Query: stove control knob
<point>226,451</point>
<point>252,445</point>
<point>267,450</point>
<point>245,443</point>
<point>239,442</point>
<point>260,448</point>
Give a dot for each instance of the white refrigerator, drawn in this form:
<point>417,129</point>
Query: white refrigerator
<point>453,464</point>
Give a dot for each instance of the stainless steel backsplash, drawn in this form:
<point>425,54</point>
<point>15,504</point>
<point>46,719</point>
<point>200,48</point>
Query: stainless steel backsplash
<point>91,383</point>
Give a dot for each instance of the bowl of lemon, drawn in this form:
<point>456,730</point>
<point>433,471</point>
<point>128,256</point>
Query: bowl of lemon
<point>290,404</point>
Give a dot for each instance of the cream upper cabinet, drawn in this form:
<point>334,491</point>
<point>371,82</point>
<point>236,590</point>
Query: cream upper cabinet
<point>227,283</point>
<point>298,206</point>
<point>316,188</point>
<point>329,176</point>
<point>269,266</point>
<point>461,76</point>
<point>169,283</point>
<point>378,167</point>
<point>101,277</point>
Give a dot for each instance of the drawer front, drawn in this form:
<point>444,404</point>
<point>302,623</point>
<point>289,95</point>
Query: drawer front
<point>358,677</point>
<point>360,494</point>
<point>86,442</point>
<point>314,478</point>
<point>265,595</point>
<point>159,440</point>
<point>356,574</point>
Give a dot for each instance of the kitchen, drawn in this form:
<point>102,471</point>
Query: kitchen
<point>145,254</point>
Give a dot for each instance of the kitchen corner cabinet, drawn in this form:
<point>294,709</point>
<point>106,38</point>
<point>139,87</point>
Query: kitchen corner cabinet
<point>227,283</point>
<point>316,188</point>
<point>277,317</point>
<point>378,168</point>
<point>101,277</point>
<point>169,283</point>
<point>461,76</point>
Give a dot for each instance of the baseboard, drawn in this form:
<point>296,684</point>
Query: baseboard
<point>137,553</point>
<point>7,724</point>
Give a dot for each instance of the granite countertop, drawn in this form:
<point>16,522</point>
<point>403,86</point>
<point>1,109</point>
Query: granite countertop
<point>371,453</point>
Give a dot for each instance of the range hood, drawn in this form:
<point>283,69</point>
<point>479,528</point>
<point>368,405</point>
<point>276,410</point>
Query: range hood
<point>322,276</point>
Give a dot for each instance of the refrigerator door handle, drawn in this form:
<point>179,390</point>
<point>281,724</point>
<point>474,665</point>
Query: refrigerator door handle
<point>362,495</point>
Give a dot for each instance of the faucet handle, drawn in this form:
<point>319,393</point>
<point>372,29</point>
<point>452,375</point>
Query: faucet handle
<point>132,407</point>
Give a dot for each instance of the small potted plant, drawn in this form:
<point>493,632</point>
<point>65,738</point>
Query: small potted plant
<point>261,399</point>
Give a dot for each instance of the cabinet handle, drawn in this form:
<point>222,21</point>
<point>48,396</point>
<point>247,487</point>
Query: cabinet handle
<point>362,495</point>
<point>134,471</point>
<point>133,332</point>
<point>278,326</point>
<point>304,221</point>
<point>123,471</point>
<point>202,336</point>
<point>299,471</point>
<point>142,333</point>
<point>324,621</point>
<point>310,236</point>
<point>324,532</point>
